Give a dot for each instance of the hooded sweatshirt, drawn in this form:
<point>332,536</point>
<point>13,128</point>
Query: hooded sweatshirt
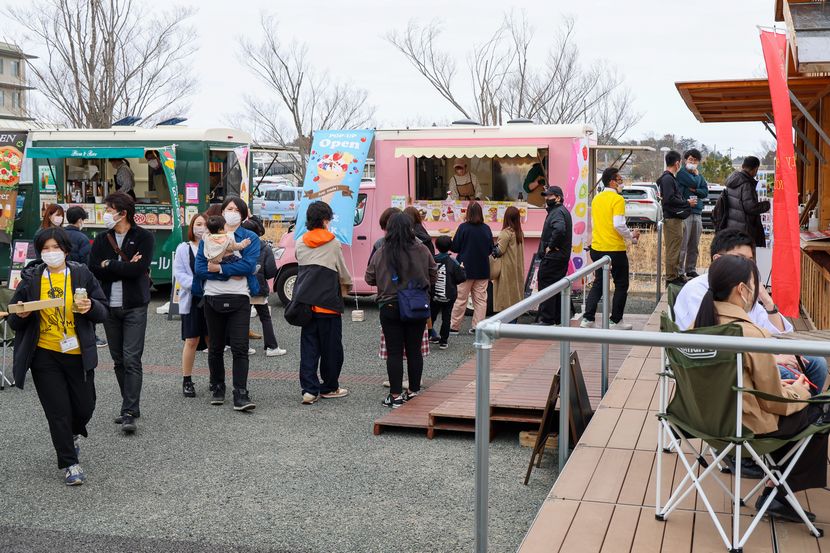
<point>321,272</point>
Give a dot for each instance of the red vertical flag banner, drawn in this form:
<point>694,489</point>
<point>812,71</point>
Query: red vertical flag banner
<point>786,248</point>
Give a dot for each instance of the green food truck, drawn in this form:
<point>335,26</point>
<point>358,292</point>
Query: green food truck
<point>177,173</point>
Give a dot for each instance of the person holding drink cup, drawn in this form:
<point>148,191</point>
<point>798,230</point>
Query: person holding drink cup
<point>58,344</point>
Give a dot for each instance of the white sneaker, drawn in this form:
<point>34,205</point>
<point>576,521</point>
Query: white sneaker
<point>274,352</point>
<point>251,351</point>
<point>308,399</point>
<point>585,323</point>
<point>620,326</point>
<point>253,312</point>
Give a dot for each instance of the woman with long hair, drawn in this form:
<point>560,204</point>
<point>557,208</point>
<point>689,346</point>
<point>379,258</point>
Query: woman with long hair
<point>473,242</point>
<point>733,292</point>
<point>194,327</point>
<point>421,232</point>
<point>508,287</point>
<point>401,260</point>
<point>53,217</point>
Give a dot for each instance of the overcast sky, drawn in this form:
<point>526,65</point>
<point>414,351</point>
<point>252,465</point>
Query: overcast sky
<point>652,42</point>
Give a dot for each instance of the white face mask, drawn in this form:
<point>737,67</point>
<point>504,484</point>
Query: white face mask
<point>691,166</point>
<point>109,220</point>
<point>232,218</point>
<point>56,220</point>
<point>53,258</point>
<point>154,163</point>
<point>198,232</point>
<point>747,303</point>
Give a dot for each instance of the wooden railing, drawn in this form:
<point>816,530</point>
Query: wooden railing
<point>815,289</point>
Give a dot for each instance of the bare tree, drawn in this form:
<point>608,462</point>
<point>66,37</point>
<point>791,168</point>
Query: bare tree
<point>503,81</point>
<point>305,100</point>
<point>106,59</point>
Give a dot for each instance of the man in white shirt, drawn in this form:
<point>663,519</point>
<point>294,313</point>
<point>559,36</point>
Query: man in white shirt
<point>764,314</point>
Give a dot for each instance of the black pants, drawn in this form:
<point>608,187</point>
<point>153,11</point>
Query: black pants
<point>619,272</point>
<point>402,335</point>
<point>268,335</point>
<point>445,310</point>
<point>321,343</point>
<point>552,269</point>
<point>125,330</point>
<point>67,396</point>
<point>231,314</point>
<point>810,470</point>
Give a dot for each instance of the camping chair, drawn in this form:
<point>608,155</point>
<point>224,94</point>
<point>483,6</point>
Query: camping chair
<point>665,376</point>
<point>708,405</point>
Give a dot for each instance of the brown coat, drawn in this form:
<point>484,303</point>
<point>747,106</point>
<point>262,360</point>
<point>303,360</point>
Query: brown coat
<point>508,289</point>
<point>761,373</point>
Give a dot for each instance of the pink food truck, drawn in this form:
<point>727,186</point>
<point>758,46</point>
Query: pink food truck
<point>416,167</point>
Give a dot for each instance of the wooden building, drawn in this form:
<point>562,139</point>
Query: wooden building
<point>808,29</point>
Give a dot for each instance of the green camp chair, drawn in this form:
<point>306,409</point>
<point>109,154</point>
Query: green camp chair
<point>672,291</point>
<point>707,405</point>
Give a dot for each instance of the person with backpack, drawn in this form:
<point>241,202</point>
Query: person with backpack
<point>743,210</point>
<point>675,210</point>
<point>267,270</point>
<point>449,274</point>
<point>403,271</point>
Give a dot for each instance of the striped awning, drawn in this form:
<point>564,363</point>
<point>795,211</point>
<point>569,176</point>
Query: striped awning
<point>467,151</point>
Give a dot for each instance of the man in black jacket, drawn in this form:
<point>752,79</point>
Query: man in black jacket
<point>675,210</point>
<point>121,259</point>
<point>743,208</point>
<point>554,252</point>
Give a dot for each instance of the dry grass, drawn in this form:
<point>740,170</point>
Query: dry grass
<point>642,259</point>
<point>275,230</point>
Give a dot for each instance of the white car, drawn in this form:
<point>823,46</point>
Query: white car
<point>642,205</point>
<point>709,204</point>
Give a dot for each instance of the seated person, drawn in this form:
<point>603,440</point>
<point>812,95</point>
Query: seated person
<point>732,294</point>
<point>219,245</point>
<point>763,313</point>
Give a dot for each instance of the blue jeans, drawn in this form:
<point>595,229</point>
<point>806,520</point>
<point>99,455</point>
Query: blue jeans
<point>815,369</point>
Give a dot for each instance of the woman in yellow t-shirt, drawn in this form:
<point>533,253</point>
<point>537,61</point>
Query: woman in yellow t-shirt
<point>58,344</point>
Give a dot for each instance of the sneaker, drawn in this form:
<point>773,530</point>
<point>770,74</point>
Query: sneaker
<point>77,439</point>
<point>308,399</point>
<point>251,351</point>
<point>120,419</point>
<point>100,342</point>
<point>128,425</point>
<point>433,336</point>
<point>188,389</point>
<point>242,400</point>
<point>409,394</point>
<point>339,392</point>
<point>471,331</point>
<point>678,281</point>
<point>692,274</point>
<point>393,402</point>
<point>454,332</point>
<point>387,385</point>
<point>218,397</point>
<point>620,326</point>
<point>73,475</point>
<point>443,345</point>
<point>585,323</point>
<point>274,352</point>
<point>254,336</point>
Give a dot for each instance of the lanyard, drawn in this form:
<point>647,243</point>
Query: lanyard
<point>61,316</point>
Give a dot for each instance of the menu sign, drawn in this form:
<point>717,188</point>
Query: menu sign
<point>23,253</point>
<point>154,215</point>
<point>12,147</point>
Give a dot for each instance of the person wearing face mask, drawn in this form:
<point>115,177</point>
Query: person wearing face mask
<point>81,247</point>
<point>155,176</point>
<point>732,294</point>
<point>609,237</point>
<point>124,177</point>
<point>554,252</point>
<point>194,327</point>
<point>227,288</point>
<point>691,183</point>
<point>744,210</point>
<point>58,345</point>
<point>676,209</point>
<point>53,216</point>
<point>120,258</point>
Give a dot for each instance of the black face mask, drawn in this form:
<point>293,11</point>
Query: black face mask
<point>551,204</point>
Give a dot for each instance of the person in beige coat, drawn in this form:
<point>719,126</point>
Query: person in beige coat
<point>508,288</point>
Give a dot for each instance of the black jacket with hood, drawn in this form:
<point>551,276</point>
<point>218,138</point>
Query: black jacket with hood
<point>27,329</point>
<point>743,208</point>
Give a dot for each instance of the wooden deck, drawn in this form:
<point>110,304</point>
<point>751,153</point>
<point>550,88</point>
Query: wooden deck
<point>604,499</point>
<point>521,374</point>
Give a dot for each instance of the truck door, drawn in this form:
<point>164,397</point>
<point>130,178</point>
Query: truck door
<point>357,257</point>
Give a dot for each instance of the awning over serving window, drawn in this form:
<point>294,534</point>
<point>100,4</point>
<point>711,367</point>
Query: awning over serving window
<point>467,151</point>
<point>84,153</point>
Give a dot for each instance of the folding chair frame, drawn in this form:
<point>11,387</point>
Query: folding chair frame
<point>772,471</point>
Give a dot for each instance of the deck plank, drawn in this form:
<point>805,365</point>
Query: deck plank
<point>546,538</point>
<point>620,533</point>
<point>588,528</point>
<point>609,476</point>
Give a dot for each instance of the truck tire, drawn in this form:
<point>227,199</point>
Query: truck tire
<point>284,286</point>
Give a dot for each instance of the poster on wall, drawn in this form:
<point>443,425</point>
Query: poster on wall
<point>23,253</point>
<point>576,200</point>
<point>46,180</point>
<point>333,175</point>
<point>12,148</point>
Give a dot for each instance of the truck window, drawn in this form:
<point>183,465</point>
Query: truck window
<point>279,195</point>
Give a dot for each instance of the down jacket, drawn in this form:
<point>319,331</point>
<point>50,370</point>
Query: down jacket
<point>743,208</point>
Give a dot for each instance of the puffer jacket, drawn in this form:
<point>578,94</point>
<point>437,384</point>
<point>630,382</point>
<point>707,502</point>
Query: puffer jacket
<point>743,208</point>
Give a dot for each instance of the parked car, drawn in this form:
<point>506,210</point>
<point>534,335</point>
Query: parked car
<point>715,191</point>
<point>652,185</point>
<point>280,203</point>
<point>642,205</point>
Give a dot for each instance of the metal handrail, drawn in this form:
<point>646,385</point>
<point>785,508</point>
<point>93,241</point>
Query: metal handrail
<point>490,330</point>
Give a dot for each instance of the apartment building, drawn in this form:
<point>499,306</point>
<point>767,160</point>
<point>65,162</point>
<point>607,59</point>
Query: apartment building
<point>13,85</point>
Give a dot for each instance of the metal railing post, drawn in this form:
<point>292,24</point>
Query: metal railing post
<point>606,271</point>
<point>659,260</point>
<point>564,381</point>
<point>483,345</point>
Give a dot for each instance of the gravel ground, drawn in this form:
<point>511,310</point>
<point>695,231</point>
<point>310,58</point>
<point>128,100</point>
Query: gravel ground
<point>287,478</point>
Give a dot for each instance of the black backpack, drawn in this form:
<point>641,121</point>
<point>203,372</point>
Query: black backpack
<point>720,211</point>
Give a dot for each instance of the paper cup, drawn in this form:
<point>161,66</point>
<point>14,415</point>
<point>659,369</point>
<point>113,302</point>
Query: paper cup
<point>357,315</point>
